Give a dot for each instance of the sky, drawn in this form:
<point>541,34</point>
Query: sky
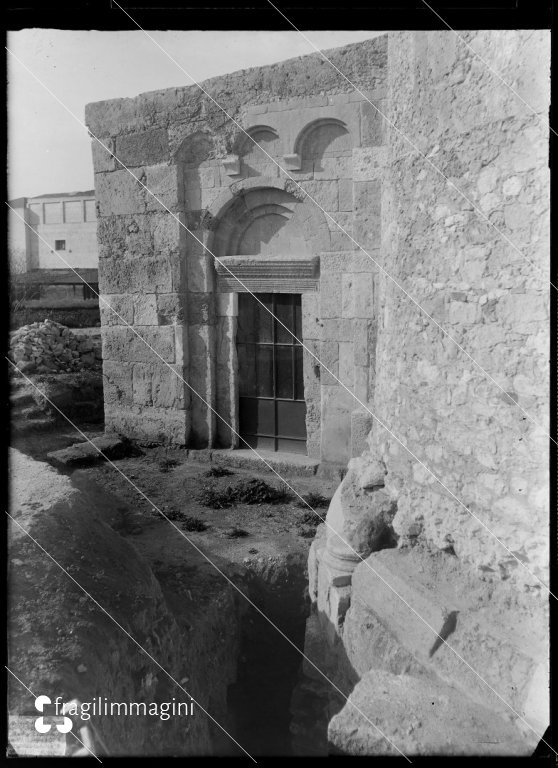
<point>50,151</point>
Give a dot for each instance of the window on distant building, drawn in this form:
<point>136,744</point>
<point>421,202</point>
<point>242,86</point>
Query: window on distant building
<point>59,245</point>
<point>90,210</point>
<point>53,213</point>
<point>73,211</point>
<point>37,211</point>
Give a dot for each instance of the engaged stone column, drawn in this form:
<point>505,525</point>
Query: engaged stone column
<point>358,523</point>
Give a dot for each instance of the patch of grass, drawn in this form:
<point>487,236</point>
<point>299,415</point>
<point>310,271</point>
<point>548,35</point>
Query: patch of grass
<point>259,492</point>
<point>309,518</point>
<point>315,500</point>
<point>189,522</point>
<point>237,533</point>
<point>166,464</point>
<point>194,523</point>
<point>216,498</point>
<point>251,491</point>
<point>217,471</point>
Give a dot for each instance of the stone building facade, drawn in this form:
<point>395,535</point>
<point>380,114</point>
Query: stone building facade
<point>275,236</point>
<point>66,221</point>
<point>439,529</point>
<point>48,237</point>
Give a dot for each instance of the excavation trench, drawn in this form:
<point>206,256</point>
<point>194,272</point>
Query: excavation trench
<point>268,664</point>
<point>240,665</point>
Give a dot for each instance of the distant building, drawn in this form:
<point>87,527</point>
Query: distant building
<point>58,234</point>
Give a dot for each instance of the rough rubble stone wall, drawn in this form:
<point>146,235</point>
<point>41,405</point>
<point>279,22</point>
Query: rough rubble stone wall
<point>485,282</point>
<point>160,280</point>
<point>450,576</point>
<point>46,347</point>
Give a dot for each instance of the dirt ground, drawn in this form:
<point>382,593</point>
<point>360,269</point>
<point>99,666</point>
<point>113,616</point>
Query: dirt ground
<point>262,548</point>
<point>173,482</point>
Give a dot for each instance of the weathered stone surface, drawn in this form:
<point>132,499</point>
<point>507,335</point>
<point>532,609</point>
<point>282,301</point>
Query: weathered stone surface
<point>325,194</point>
<point>117,383</point>
<point>99,449</point>
<point>274,85</point>
<point>368,163</point>
<point>120,192</point>
<point>452,417</point>
<point>145,148</point>
<point>201,308</point>
<point>163,425</point>
<point>390,715</point>
<point>372,124</point>
<point>170,309</point>
<point>50,347</point>
<point>140,344</point>
<point>329,360</point>
<point>367,213</point>
<point>361,424</point>
<point>103,154</point>
<point>164,190</point>
<point>145,309</point>
<point>158,385</point>
<point>359,517</point>
<point>150,234</point>
<point>142,274</point>
<point>414,614</point>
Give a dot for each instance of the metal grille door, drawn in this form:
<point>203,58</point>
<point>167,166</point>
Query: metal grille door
<point>272,410</point>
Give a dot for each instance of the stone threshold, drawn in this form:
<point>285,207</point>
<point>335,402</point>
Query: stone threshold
<point>292,464</point>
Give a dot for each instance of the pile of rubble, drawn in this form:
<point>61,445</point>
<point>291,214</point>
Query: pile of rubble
<point>50,347</point>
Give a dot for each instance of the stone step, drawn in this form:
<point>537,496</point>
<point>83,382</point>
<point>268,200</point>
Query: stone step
<point>84,454</point>
<point>290,464</point>
<point>420,716</point>
<point>29,425</point>
<point>32,411</point>
<point>21,397</point>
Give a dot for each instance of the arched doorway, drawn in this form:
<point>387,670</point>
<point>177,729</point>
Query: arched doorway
<point>265,242</point>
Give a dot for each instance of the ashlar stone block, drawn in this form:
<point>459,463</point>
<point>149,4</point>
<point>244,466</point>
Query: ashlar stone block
<point>169,309</point>
<point>364,295</point>
<point>346,363</point>
<point>145,309</point>
<point>144,274</point>
<point>324,193</point>
<point>119,193</point>
<point>141,344</point>
<point>116,309</point>
<point>103,154</point>
<point>372,124</point>
<point>143,148</point>
<point>367,213</point>
<point>158,385</point>
<point>117,383</point>
<point>330,296</point>
<point>164,189</point>
<point>329,357</point>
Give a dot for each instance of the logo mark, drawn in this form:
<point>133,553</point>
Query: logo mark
<point>40,724</point>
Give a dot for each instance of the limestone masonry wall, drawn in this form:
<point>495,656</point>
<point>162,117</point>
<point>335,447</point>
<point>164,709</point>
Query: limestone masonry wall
<point>484,281</point>
<point>446,494</point>
<point>208,173</point>
<point>474,576</point>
